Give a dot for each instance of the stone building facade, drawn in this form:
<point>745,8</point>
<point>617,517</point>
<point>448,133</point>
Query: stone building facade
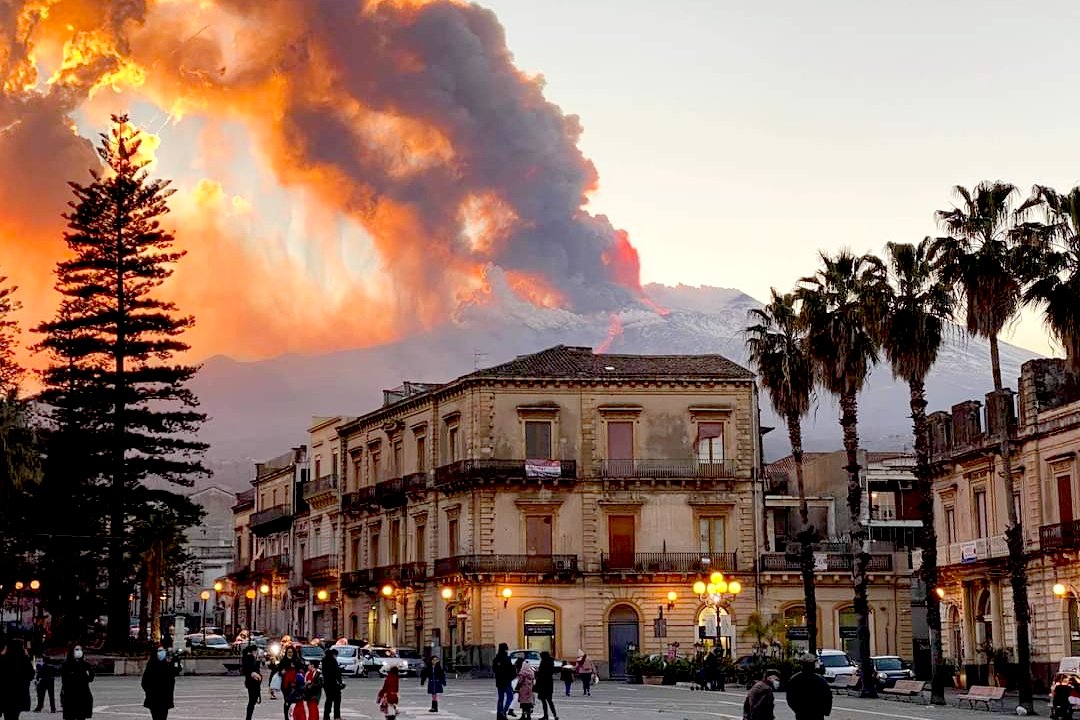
<point>971,517</point>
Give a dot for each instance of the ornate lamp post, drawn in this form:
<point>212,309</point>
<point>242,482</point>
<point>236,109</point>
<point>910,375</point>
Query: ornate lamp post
<point>249,595</point>
<point>717,594</point>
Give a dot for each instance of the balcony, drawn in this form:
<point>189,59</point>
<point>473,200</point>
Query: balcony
<point>320,493</point>
<point>1062,536</point>
<point>391,493</point>
<point>371,579</point>
<point>667,563</point>
<point>357,582</point>
<point>244,501</point>
<point>415,483</point>
<point>667,469</point>
<point>834,562</point>
<point>473,566</point>
<point>466,474</point>
<point>238,569</point>
<point>271,520</point>
<point>359,501</point>
<point>973,551</point>
<point>273,565</point>
<point>320,567</point>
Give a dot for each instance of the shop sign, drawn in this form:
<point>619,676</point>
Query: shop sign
<point>849,632</point>
<point>798,632</point>
<point>539,629</point>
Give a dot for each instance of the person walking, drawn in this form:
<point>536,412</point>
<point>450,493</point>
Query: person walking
<point>16,674</point>
<point>76,700</point>
<point>808,695</point>
<point>436,681</point>
<point>332,684</point>
<point>158,684</point>
<point>760,700</point>
<point>388,696</point>
<point>566,674</point>
<point>545,685</point>
<point>526,683</point>
<point>585,670</point>
<point>504,680</point>
<point>46,684</point>
<point>292,685</point>
<point>249,667</point>
<point>313,687</point>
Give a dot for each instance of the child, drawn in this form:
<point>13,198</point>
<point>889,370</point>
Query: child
<point>388,695</point>
<point>566,674</point>
<point>436,681</point>
<point>313,686</point>
<point>526,680</point>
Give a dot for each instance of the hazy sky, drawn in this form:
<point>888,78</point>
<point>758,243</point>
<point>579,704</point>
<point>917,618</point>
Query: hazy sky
<point>734,140</point>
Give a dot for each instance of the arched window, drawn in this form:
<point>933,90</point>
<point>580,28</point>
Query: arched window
<point>984,620</point>
<point>418,625</point>
<point>847,625</point>
<point>795,628</point>
<point>539,625</point>
<point>354,626</point>
<point>715,628</point>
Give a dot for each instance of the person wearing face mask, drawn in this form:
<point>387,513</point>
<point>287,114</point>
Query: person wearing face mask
<point>75,676</point>
<point>16,674</point>
<point>158,683</point>
<point>760,701</point>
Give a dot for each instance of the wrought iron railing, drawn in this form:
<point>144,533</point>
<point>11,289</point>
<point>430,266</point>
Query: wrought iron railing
<point>670,468</point>
<point>668,562</point>
<point>269,515</point>
<point>274,564</point>
<point>834,562</point>
<point>506,564</point>
<point>319,565</point>
<point>415,482</point>
<point>390,493</point>
<point>328,483</point>
<point>1061,536</point>
<point>501,470</point>
<point>359,500</point>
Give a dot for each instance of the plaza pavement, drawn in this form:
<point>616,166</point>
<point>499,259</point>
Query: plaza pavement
<point>214,698</point>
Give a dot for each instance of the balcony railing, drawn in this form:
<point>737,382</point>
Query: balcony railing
<point>482,471</point>
<point>1062,536</point>
<point>263,519</point>
<point>506,564</point>
<point>683,563</point>
<point>277,564</point>
<point>678,469</point>
<point>973,551</point>
<point>325,484</point>
<point>237,568</point>
<point>359,501</point>
<point>834,562</point>
<point>415,482</point>
<point>369,579</point>
<point>391,493</point>
<point>320,566</point>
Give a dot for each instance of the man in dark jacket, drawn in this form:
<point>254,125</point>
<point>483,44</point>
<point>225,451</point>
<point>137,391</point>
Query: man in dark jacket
<point>16,674</point>
<point>158,684</point>
<point>504,677</point>
<point>760,700</point>
<point>808,695</point>
<point>331,673</point>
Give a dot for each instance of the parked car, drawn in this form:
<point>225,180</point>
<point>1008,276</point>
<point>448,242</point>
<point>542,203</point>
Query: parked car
<point>836,663</point>
<point>348,659</point>
<point>532,658</point>
<point>381,659</point>
<point>414,659</point>
<point>1067,680</point>
<point>891,668</point>
<point>210,642</point>
<point>312,653</point>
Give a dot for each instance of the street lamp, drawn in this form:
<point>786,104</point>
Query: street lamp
<point>672,596</point>
<point>204,596</point>
<point>322,595</point>
<point>1060,590</point>
<point>717,594</point>
<point>264,590</point>
<point>506,593</point>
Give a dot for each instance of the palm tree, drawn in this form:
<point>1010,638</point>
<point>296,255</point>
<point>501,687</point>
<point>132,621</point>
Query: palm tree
<point>1054,266</point>
<point>910,332</point>
<point>777,348</point>
<point>981,259</point>
<point>839,310</point>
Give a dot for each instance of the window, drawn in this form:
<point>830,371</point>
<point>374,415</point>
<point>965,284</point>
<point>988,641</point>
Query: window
<point>621,540</point>
<point>710,442</point>
<point>950,524</point>
<point>538,534</point>
<point>373,559</point>
<point>1018,508</point>
<point>358,470</point>
<point>303,551</point>
<point>537,440</point>
<point>539,626</point>
<point>452,536</point>
<point>355,554</point>
<point>421,453</point>
<point>318,464</point>
<point>795,627</point>
<point>982,527</point>
<point>1065,499</point>
<point>398,466</point>
<point>620,447</point>
<point>316,545</point>
<point>452,450</point>
<point>273,496</point>
<point>333,463</point>
<point>376,470</point>
<point>421,542</point>
<point>395,542</point>
<point>711,534</point>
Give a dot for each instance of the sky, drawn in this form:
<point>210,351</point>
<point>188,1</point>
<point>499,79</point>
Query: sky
<point>352,171</point>
<point>736,140</point>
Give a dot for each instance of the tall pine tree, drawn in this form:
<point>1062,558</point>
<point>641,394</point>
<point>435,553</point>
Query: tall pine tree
<point>113,382</point>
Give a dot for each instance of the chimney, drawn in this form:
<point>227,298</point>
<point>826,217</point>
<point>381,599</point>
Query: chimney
<point>940,434</point>
<point>1000,408</point>
<point>1044,385</point>
<point>966,423</point>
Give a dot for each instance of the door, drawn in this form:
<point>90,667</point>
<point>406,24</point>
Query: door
<point>621,540</point>
<point>623,636</point>
<point>1065,503</point>
<point>620,448</point>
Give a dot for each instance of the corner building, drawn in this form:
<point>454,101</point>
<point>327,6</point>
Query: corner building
<point>553,502</point>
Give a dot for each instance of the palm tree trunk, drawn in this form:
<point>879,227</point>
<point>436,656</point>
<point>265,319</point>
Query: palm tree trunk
<point>860,545</point>
<point>153,582</point>
<point>806,535</point>
<point>925,482</point>
<point>144,606</point>
<point>1014,538</point>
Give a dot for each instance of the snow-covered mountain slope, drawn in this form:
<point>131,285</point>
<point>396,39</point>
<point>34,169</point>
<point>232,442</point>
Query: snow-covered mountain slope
<point>259,409</point>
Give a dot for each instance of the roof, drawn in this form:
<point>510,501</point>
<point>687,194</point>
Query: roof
<point>786,465</point>
<point>567,362</point>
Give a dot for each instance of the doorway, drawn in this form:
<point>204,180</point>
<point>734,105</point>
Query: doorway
<point>624,632</point>
<point>621,540</point>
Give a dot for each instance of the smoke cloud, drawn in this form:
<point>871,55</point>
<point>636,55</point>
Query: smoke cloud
<point>408,119</point>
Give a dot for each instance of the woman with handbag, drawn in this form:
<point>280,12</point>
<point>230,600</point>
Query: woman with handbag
<point>585,671</point>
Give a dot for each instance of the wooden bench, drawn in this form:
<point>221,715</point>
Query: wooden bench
<point>982,694</point>
<point>905,689</point>
<point>845,683</point>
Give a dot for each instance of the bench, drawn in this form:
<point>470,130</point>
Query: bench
<point>982,694</point>
<point>846,683</point>
<point>905,689</point>
<point>232,668</point>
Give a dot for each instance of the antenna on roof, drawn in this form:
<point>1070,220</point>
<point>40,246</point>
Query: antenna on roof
<point>478,359</point>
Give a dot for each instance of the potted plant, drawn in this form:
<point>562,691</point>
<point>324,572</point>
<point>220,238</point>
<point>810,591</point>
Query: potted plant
<point>1002,658</point>
<point>652,670</point>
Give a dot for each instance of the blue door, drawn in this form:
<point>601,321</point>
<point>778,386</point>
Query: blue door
<point>623,631</point>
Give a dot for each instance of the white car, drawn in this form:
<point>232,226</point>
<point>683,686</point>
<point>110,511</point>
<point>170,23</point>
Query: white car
<point>532,658</point>
<point>385,658</point>
<point>212,642</point>
<point>836,663</point>
<point>348,659</point>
